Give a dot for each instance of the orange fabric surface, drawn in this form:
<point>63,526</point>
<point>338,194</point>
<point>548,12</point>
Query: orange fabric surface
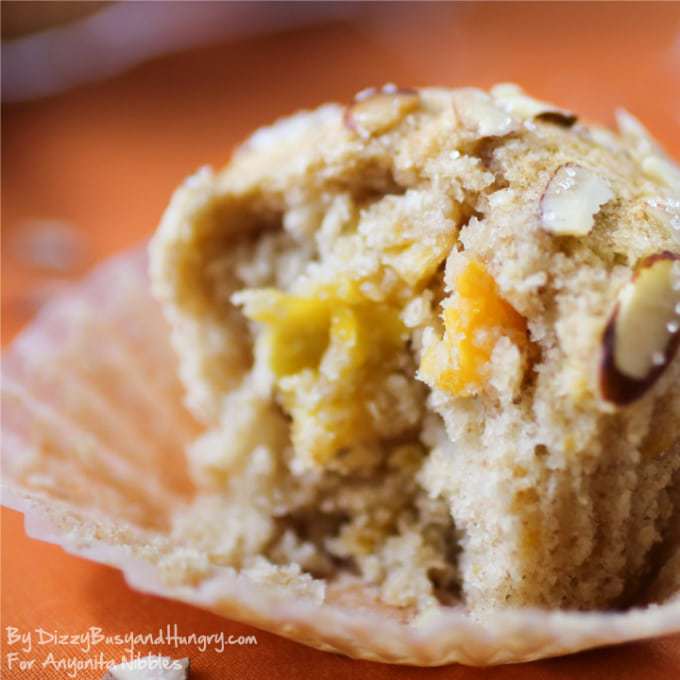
<point>104,158</point>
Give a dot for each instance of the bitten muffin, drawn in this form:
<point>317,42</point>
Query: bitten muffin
<point>432,337</point>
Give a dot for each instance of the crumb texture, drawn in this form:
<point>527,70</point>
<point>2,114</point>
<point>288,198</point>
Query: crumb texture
<point>432,337</point>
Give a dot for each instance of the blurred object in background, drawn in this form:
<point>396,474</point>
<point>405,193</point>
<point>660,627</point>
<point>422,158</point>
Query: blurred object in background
<point>53,246</point>
<point>21,17</point>
<point>47,253</point>
<point>52,46</point>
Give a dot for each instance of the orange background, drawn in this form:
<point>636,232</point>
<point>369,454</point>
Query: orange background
<point>105,157</point>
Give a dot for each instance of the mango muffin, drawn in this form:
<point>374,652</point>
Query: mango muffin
<point>432,338</point>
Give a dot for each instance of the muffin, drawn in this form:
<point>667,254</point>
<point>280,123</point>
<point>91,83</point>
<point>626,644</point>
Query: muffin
<point>431,338</point>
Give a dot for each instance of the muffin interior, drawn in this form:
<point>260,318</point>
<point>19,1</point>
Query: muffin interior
<point>399,361</point>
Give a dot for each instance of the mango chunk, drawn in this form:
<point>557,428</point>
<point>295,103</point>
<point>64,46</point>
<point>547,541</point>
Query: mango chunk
<point>331,354</point>
<point>475,319</point>
<point>299,328</point>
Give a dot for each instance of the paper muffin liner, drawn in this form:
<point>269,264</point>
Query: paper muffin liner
<point>94,433</point>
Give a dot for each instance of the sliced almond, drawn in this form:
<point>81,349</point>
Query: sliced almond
<point>572,198</point>
<point>150,668</point>
<point>557,117</point>
<point>376,111</point>
<point>477,111</point>
<point>636,133</point>
<point>513,100</point>
<point>643,332</point>
<point>662,170</point>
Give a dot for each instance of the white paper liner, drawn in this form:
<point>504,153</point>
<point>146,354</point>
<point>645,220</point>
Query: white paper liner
<point>94,431</point>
